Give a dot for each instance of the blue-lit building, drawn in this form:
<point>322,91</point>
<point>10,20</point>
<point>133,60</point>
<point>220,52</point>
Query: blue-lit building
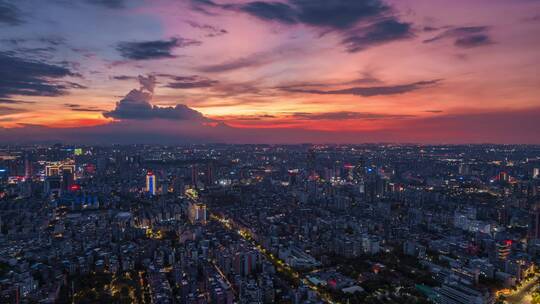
<point>151,183</point>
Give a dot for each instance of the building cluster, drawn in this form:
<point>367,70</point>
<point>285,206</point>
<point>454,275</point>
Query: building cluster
<point>269,224</point>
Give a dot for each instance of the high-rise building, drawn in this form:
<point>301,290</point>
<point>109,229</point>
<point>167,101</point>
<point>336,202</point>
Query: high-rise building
<point>59,168</point>
<point>59,177</point>
<point>504,248</point>
<point>536,173</point>
<point>194,175</point>
<point>197,213</point>
<point>349,171</point>
<point>53,185</point>
<point>534,223</point>
<point>151,183</point>
<point>68,180</point>
<point>210,174</point>
<point>464,169</point>
<point>28,167</point>
<point>311,161</point>
<point>503,177</point>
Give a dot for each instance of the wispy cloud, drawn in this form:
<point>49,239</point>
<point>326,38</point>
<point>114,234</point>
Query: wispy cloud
<point>190,82</point>
<point>370,91</point>
<point>155,49</point>
<point>346,115</point>
<point>465,37</point>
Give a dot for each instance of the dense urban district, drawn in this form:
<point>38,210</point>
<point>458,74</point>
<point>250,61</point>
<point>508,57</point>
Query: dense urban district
<point>226,224</point>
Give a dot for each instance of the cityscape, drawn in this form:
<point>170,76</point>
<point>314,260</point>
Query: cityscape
<point>270,224</point>
<point>269,151</point>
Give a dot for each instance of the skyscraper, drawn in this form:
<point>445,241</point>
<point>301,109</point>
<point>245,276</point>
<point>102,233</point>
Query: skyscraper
<point>197,213</point>
<point>151,183</point>
<point>59,176</point>
<point>534,223</point>
<point>504,248</point>
<point>68,180</point>
<point>210,174</point>
<point>59,168</point>
<point>28,167</point>
<point>194,175</point>
<point>536,173</point>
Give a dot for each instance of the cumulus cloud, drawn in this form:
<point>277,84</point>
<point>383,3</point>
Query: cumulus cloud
<point>155,49</point>
<point>520,127</point>
<point>147,83</point>
<point>136,105</point>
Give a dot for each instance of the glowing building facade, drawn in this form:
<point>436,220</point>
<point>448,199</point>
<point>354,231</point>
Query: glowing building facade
<point>197,213</point>
<point>151,183</point>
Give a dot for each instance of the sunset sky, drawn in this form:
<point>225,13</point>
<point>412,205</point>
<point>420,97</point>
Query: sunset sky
<point>280,71</point>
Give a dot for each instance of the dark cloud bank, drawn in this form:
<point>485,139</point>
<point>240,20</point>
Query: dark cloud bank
<point>362,23</point>
<point>19,76</point>
<point>9,13</point>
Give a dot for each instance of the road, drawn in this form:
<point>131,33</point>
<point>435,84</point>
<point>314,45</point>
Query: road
<point>280,265</point>
<point>523,294</point>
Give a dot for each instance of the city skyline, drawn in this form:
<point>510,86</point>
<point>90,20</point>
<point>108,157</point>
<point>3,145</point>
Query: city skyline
<point>291,71</point>
<point>265,224</point>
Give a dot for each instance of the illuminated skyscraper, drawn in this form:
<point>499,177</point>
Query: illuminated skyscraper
<point>28,167</point>
<point>197,213</point>
<point>59,176</point>
<point>536,173</point>
<point>151,183</point>
<point>504,248</point>
<point>59,168</point>
<point>503,177</point>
